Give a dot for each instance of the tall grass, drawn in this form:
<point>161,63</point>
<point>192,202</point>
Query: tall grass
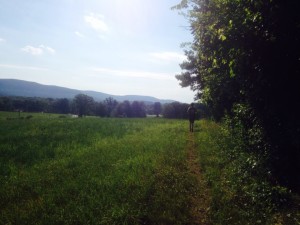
<point>93,171</point>
<point>60,170</point>
<point>239,183</point>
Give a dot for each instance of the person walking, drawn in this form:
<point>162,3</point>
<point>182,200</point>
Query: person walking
<point>192,115</point>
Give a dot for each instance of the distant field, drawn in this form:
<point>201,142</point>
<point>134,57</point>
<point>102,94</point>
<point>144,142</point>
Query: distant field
<point>61,170</point>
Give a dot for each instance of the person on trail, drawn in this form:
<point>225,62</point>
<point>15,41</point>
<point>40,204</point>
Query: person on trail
<point>192,115</point>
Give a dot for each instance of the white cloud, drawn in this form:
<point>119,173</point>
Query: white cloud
<point>168,56</point>
<point>2,40</point>
<point>78,34</point>
<point>12,66</point>
<point>96,22</point>
<point>32,50</point>
<point>40,50</point>
<point>47,49</point>
<point>133,74</point>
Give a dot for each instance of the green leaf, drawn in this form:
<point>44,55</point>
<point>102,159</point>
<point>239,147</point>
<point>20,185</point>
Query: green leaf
<point>222,37</point>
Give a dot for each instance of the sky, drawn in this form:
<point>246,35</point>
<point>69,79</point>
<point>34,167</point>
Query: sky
<point>119,47</point>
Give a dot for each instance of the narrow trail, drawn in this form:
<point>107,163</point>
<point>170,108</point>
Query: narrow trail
<point>200,200</point>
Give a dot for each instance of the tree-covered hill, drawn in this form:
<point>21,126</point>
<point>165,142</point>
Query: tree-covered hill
<point>13,87</point>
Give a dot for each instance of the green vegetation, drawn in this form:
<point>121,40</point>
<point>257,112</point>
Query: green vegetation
<point>61,170</point>
<point>244,64</point>
<point>238,183</point>
<point>84,105</point>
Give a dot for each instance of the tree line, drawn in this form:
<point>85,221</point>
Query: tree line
<point>244,64</point>
<point>84,105</point>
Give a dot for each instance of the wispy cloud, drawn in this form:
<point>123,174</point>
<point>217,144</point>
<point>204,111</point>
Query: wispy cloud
<point>78,34</point>
<point>47,49</point>
<point>13,66</point>
<point>96,21</point>
<point>168,56</point>
<point>133,74</point>
<point>2,40</point>
<point>40,50</point>
<point>32,50</point>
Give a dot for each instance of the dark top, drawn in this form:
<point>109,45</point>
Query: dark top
<point>192,113</point>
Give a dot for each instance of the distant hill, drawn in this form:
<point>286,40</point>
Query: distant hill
<point>13,87</point>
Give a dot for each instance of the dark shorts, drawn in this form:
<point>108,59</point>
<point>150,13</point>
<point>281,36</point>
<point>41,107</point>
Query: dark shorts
<point>192,119</point>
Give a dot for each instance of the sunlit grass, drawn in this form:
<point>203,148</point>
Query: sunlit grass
<point>63,170</point>
<point>93,171</point>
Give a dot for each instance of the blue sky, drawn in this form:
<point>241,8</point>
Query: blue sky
<point>118,47</point>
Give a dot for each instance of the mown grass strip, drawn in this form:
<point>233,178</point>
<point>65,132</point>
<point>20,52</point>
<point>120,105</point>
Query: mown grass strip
<point>200,197</point>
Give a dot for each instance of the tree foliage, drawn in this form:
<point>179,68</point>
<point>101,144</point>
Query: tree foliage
<point>175,110</point>
<point>138,109</point>
<point>80,105</point>
<point>83,104</point>
<point>110,104</point>
<point>157,108</point>
<point>244,62</point>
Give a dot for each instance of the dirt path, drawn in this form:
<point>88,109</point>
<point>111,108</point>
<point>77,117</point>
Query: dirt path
<point>200,200</point>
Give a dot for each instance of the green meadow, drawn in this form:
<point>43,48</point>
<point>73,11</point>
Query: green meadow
<point>55,169</point>
<point>61,170</point>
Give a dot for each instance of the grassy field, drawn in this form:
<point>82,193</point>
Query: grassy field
<point>60,170</point>
<point>55,169</point>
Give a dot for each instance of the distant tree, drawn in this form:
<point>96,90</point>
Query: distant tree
<point>100,109</point>
<point>169,111</point>
<point>157,108</point>
<point>118,111</point>
<point>175,110</point>
<point>127,109</point>
<point>138,109</point>
<point>83,104</point>
<point>6,104</point>
<point>61,106</point>
<point>123,109</point>
<point>35,104</point>
<point>28,104</point>
<point>110,105</point>
<point>18,103</point>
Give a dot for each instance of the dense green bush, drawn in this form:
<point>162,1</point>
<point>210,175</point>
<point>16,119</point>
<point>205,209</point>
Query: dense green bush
<point>241,186</point>
<point>244,63</point>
